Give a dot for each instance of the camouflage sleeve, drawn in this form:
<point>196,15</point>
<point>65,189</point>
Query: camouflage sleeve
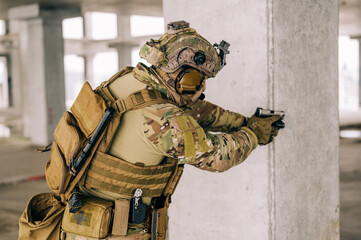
<point>179,136</point>
<point>214,118</point>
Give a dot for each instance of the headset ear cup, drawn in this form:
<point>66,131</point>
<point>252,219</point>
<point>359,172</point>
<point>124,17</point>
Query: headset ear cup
<point>189,81</point>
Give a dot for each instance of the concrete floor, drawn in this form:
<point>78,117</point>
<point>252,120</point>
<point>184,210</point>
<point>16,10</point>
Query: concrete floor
<point>19,160</point>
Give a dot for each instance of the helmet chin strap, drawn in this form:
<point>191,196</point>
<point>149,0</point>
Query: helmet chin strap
<point>191,98</point>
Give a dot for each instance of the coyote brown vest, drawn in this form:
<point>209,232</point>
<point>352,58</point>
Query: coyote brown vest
<point>104,171</point>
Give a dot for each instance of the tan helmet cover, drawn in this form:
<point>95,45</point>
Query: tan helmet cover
<point>177,47</point>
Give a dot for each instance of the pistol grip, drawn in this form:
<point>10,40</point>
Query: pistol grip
<point>279,124</point>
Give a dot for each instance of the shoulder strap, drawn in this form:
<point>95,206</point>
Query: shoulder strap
<point>140,99</point>
<point>103,89</point>
<point>136,100</point>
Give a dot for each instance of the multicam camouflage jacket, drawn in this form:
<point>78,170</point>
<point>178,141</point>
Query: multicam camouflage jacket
<point>202,134</point>
<point>187,133</point>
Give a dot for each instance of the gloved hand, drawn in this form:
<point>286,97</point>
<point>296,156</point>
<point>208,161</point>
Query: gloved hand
<point>263,128</point>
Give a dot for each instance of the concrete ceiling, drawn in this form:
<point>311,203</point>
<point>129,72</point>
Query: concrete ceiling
<point>141,7</point>
<point>349,10</point>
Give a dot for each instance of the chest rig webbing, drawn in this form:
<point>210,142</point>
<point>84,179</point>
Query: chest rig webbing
<point>101,170</point>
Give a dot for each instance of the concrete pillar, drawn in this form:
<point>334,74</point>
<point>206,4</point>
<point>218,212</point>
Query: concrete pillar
<point>43,83</point>
<point>124,51</point>
<point>359,75</point>
<point>89,69</point>
<point>124,47</point>
<point>87,25</point>
<point>123,25</point>
<point>283,56</point>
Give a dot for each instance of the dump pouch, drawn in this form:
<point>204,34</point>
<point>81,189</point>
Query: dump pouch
<point>42,218</point>
<point>92,220</point>
<point>88,109</point>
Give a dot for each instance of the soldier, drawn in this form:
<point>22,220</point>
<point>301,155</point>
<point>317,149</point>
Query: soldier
<point>164,125</point>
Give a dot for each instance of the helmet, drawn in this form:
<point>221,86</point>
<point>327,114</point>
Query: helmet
<point>183,51</point>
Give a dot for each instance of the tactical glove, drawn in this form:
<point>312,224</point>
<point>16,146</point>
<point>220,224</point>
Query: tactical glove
<point>263,128</point>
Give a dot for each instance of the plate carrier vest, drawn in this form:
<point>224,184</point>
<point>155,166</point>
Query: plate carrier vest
<point>101,170</point>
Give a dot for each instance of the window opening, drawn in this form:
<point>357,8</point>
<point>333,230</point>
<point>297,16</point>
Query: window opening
<point>74,67</point>
<point>105,65</point>
<point>146,25</point>
<point>103,25</point>
<point>348,73</point>
<point>73,28</point>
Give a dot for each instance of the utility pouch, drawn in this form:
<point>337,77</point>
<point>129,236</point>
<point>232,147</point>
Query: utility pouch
<point>68,136</point>
<point>121,216</point>
<point>88,109</point>
<point>159,223</point>
<point>56,170</point>
<point>92,220</point>
<point>42,218</point>
<point>68,142</point>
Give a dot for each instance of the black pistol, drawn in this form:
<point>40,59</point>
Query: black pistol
<point>264,113</point>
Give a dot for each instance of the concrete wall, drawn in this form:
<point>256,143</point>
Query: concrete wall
<point>283,56</point>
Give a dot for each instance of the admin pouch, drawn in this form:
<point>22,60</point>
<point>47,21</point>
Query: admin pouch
<point>42,218</point>
<point>92,220</point>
